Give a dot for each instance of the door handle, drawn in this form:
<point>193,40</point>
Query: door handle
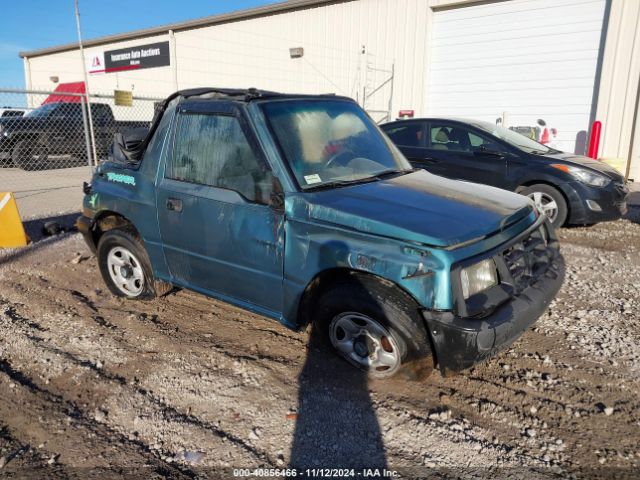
<point>174,205</point>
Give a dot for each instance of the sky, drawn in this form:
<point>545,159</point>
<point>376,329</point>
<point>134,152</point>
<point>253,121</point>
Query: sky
<point>34,24</point>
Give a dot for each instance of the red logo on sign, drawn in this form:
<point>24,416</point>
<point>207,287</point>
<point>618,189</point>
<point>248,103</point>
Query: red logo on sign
<point>96,62</point>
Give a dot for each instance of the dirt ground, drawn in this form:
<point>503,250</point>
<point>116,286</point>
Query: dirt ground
<point>184,386</point>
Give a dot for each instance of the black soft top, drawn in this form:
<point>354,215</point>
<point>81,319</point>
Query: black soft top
<point>130,146</point>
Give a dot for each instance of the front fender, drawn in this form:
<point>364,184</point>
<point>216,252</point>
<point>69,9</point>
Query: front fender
<point>312,247</point>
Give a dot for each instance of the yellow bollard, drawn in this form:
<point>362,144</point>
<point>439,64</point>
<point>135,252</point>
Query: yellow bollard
<point>11,230</point>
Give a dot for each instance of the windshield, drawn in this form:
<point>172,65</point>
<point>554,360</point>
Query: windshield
<point>43,111</point>
<point>328,142</point>
<point>514,138</point>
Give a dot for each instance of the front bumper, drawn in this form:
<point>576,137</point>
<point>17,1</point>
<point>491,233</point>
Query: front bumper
<point>85,226</point>
<point>611,199</point>
<point>462,341</point>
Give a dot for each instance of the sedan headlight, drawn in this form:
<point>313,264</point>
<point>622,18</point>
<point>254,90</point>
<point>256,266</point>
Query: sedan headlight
<point>478,277</point>
<point>583,175</point>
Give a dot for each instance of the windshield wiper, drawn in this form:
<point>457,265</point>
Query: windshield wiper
<point>345,183</point>
<point>396,171</point>
<point>340,183</point>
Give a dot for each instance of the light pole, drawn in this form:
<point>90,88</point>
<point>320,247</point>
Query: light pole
<point>92,143</point>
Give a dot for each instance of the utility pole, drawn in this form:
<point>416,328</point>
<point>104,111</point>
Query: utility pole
<point>86,92</point>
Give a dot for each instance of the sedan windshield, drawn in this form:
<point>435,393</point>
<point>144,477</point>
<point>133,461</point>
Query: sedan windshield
<point>332,143</point>
<point>514,138</point>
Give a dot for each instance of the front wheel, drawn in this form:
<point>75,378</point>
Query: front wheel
<point>376,329</point>
<point>124,265</point>
<point>549,201</point>
<point>30,156</point>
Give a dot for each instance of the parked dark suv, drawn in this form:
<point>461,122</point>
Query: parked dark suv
<point>569,188</point>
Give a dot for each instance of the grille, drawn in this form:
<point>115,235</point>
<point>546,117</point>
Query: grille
<point>527,259</point>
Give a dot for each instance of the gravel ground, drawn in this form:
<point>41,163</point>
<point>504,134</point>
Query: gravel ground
<point>185,386</point>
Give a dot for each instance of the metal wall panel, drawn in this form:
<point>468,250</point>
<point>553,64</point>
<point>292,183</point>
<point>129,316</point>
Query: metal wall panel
<point>618,93</point>
<point>534,59</point>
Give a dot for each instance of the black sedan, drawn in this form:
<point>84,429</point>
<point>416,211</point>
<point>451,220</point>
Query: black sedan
<point>568,188</point>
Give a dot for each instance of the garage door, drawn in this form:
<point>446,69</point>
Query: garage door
<point>534,59</point>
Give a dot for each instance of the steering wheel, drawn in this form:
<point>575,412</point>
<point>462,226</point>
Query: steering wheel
<point>340,158</point>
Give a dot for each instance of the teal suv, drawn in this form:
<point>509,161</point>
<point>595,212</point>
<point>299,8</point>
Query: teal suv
<point>298,207</point>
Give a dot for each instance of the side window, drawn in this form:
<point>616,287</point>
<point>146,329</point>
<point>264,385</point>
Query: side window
<point>66,109</point>
<point>407,135</point>
<point>449,137</point>
<point>99,112</point>
<point>213,150</point>
<point>476,141</point>
<point>479,143</point>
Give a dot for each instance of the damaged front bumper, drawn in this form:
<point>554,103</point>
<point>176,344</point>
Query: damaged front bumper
<point>84,225</point>
<point>462,341</point>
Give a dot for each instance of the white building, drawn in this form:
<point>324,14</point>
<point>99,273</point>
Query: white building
<point>569,62</point>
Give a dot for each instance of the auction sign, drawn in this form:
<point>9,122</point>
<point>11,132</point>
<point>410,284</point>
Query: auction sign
<point>134,58</point>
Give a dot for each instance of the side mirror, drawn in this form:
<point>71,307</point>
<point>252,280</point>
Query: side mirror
<point>276,199</point>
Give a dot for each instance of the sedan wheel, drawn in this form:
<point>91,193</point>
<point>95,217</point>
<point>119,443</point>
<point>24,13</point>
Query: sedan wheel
<point>548,200</point>
<point>545,204</point>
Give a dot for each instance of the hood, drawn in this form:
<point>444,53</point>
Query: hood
<point>18,122</point>
<point>582,161</point>
<point>418,207</point>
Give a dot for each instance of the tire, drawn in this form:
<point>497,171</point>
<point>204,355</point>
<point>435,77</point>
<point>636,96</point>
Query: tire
<point>396,341</point>
<point>544,195</point>
<point>30,156</point>
<point>134,280</point>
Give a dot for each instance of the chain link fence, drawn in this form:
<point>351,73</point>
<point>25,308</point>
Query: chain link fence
<point>49,141</point>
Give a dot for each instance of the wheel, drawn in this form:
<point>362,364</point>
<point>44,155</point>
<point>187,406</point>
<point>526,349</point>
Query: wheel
<point>376,329</point>
<point>549,201</point>
<point>30,155</point>
<point>125,266</point>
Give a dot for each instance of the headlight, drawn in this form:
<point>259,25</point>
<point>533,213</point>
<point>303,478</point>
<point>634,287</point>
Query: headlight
<point>478,277</point>
<point>583,175</point>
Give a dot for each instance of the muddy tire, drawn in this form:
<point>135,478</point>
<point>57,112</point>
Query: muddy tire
<point>549,200</point>
<point>376,328</point>
<point>125,266</point>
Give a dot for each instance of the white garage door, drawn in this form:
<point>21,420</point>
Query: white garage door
<point>534,59</point>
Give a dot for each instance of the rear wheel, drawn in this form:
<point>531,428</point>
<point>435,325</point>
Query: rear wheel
<point>549,201</point>
<point>376,329</point>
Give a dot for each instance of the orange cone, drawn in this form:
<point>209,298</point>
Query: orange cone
<point>12,232</point>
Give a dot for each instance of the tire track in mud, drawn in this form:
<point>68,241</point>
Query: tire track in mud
<point>166,411</point>
<point>174,415</point>
<point>36,396</point>
<point>234,371</point>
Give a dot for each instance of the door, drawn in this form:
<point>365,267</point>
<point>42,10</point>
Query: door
<point>66,130</point>
<point>459,152</point>
<point>409,137</point>
<point>534,60</point>
<point>104,127</point>
<point>219,234</point>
